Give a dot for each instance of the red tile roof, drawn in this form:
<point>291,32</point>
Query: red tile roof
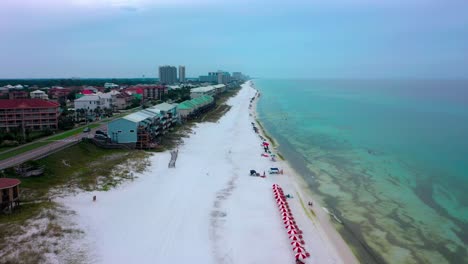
<point>8,183</point>
<point>26,103</point>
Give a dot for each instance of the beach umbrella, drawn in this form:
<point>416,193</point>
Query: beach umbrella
<point>266,144</point>
<point>300,256</point>
<point>290,226</point>
<point>290,222</point>
<point>296,244</point>
<point>294,238</point>
<point>292,232</point>
<point>299,250</point>
<point>281,202</point>
<point>275,185</point>
<point>288,218</point>
<point>285,214</point>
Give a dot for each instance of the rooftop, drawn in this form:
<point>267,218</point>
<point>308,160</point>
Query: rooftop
<point>164,107</point>
<point>88,98</point>
<point>203,89</point>
<point>26,103</point>
<point>8,183</point>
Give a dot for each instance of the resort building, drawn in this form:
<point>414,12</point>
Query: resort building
<point>135,130</point>
<point>38,94</point>
<point>154,91</point>
<point>168,114</point>
<point>200,91</point>
<point>182,74</point>
<point>9,193</point>
<point>194,107</point>
<point>33,114</point>
<point>220,88</point>
<point>167,74</point>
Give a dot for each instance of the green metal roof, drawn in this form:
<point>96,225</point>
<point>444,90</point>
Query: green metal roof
<point>186,105</point>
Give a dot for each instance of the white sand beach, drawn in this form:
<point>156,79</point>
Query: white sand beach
<point>207,209</point>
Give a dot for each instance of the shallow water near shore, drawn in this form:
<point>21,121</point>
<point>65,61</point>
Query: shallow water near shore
<point>390,158</point>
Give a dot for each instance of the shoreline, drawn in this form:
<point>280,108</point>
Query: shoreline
<point>324,218</point>
<point>205,210</point>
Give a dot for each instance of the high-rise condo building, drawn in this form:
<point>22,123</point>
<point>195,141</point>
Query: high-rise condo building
<point>181,74</point>
<point>167,74</point>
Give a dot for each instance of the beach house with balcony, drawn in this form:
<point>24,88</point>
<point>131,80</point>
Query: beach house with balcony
<point>38,94</point>
<point>200,91</point>
<point>32,114</point>
<point>192,108</point>
<point>168,113</point>
<point>137,130</point>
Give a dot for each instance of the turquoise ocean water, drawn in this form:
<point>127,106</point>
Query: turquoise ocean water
<point>389,157</point>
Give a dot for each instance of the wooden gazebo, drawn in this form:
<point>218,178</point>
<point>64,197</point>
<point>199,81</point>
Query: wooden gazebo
<point>9,193</point>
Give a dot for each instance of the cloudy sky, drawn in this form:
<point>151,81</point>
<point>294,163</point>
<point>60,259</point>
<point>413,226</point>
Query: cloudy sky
<point>265,38</point>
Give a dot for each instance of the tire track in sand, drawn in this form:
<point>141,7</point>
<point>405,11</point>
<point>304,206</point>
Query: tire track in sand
<point>218,216</point>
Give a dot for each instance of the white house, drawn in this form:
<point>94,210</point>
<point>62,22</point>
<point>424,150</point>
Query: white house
<point>39,94</point>
<point>108,99</point>
<point>89,103</point>
<point>220,88</point>
<point>110,85</point>
<point>200,91</point>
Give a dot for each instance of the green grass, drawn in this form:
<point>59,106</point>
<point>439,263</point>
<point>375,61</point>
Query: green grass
<point>76,166</point>
<point>71,132</point>
<point>23,213</point>
<point>39,144</point>
<point>21,150</point>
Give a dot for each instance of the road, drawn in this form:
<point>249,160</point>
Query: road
<point>47,149</point>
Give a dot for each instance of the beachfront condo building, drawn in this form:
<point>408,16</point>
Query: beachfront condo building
<point>167,74</point>
<point>181,74</point>
<point>32,114</point>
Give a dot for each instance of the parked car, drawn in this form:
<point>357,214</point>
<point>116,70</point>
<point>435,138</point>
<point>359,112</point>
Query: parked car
<point>86,130</point>
<point>100,136</point>
<point>101,132</point>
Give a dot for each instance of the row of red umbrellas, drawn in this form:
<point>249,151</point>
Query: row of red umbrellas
<point>290,224</point>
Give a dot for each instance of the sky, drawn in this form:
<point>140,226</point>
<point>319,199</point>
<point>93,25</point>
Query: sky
<point>264,38</point>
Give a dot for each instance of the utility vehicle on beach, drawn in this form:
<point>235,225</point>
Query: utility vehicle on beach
<point>274,171</point>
